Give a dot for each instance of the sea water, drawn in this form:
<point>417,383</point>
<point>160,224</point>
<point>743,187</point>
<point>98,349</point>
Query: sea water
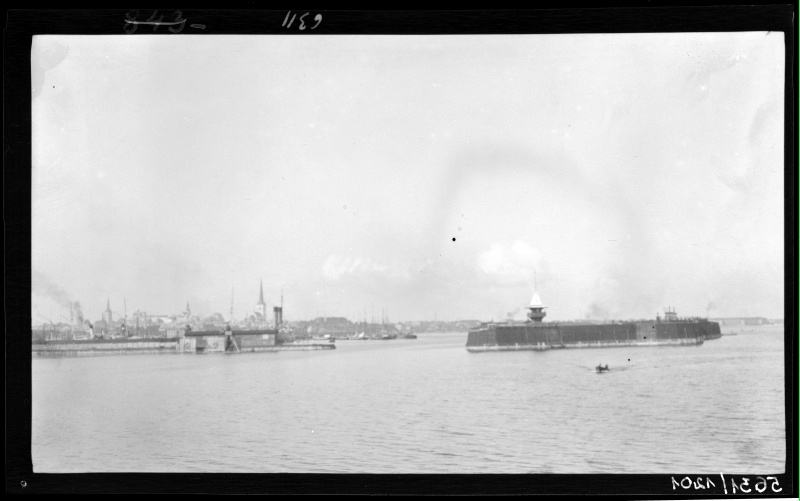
<point>418,406</point>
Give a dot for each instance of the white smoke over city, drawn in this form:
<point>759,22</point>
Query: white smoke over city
<point>44,286</point>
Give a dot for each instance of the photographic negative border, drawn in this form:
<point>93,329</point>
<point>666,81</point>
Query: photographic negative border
<point>21,25</point>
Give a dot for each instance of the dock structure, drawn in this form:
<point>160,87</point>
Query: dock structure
<point>187,342</point>
<point>227,341</point>
<point>182,340</point>
<point>538,335</point>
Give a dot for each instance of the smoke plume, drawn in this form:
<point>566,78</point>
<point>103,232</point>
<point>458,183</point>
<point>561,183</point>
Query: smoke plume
<point>75,306</point>
<point>597,312</point>
<point>44,286</point>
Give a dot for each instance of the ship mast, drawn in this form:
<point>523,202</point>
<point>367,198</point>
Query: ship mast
<point>231,315</point>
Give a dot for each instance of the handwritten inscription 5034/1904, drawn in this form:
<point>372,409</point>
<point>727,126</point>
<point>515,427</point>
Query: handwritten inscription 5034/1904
<point>741,486</point>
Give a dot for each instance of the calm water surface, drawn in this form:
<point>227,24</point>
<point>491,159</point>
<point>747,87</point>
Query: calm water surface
<point>418,406</point>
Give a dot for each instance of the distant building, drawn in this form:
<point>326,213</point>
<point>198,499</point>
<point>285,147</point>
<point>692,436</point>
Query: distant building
<point>741,321</point>
<point>171,330</point>
<point>331,325</point>
<point>108,315</point>
<point>162,318</point>
<point>260,312</point>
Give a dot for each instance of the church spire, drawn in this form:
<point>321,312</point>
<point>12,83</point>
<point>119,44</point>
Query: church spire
<point>261,293</point>
<point>261,306</point>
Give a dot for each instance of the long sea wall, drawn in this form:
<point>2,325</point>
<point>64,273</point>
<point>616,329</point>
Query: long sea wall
<point>148,346</point>
<point>530,336</point>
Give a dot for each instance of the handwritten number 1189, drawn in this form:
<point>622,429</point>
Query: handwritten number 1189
<point>288,21</point>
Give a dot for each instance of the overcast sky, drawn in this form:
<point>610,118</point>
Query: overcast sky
<point>628,171</point>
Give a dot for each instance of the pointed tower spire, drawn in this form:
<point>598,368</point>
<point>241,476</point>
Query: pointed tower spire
<point>261,306</point>
<point>108,310</point>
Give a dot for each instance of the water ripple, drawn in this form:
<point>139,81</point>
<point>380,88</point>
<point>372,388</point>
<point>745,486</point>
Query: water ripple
<point>421,407</point>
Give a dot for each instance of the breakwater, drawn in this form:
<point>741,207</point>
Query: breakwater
<point>90,347</point>
<point>541,336</point>
<point>200,343</point>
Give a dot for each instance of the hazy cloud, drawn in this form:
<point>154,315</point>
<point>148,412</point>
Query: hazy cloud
<point>336,267</point>
<point>514,263</point>
<point>430,175</point>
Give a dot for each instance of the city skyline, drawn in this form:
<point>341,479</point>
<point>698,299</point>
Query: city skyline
<point>368,315</point>
<point>430,175</point>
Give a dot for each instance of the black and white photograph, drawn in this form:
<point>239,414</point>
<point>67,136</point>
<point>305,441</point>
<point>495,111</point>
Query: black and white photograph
<point>483,253</point>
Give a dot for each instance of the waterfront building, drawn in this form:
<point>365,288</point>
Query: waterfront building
<point>744,321</point>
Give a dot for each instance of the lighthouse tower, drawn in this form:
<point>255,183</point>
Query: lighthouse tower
<point>261,306</point>
<point>536,309</point>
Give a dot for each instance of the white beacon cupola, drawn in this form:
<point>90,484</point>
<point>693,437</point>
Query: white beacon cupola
<point>536,309</point>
